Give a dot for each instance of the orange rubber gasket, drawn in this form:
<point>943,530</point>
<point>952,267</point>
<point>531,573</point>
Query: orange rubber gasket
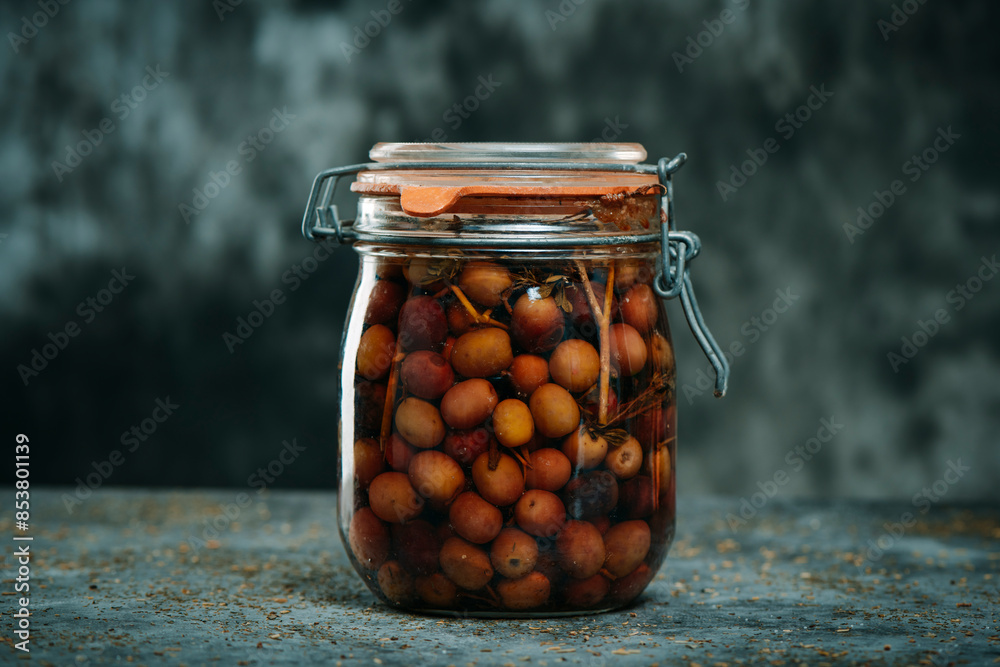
<point>424,201</point>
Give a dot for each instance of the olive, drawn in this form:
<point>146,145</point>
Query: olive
<point>591,495</point>
<point>628,349</point>
<point>585,449</point>
<point>417,546</point>
<point>575,365</point>
<point>395,582</point>
<point>554,410</point>
<point>422,324</point>
<point>482,353</point>
<point>465,446</point>
<point>436,476</point>
<point>661,354</point>
<point>368,461</point>
<point>640,308</point>
<point>514,553</point>
<point>484,282</point>
<point>537,323</point>
<point>475,519</point>
<point>384,301</point>
<point>581,549</point>
<point>529,592</point>
<point>528,372</point>
<point>369,538</point>
<point>631,585</point>
<point>550,470</point>
<point>627,544</point>
<point>636,497</point>
<point>625,460</point>
<point>369,401</point>
<point>460,320</point>
<point>436,590</point>
<point>419,423</point>
<point>540,513</point>
<point>399,453</point>
<point>586,593</point>
<point>512,423</point>
<point>426,374</point>
<point>465,564</point>
<point>393,498</point>
<point>468,404</point>
<point>501,486</point>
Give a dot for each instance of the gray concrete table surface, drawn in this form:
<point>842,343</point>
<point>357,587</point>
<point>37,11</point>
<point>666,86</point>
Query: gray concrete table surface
<point>159,577</point>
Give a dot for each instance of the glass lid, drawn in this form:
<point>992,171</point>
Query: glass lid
<point>509,152</point>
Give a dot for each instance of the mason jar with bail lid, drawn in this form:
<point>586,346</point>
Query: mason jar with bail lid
<point>508,423</point>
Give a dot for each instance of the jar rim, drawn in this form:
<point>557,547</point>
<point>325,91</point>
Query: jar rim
<point>478,152</point>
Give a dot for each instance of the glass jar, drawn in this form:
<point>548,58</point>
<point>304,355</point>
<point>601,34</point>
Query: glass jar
<point>507,411</point>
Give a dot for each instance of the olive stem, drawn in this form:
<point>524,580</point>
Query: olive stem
<point>604,324</point>
<point>390,396</point>
<point>476,316</point>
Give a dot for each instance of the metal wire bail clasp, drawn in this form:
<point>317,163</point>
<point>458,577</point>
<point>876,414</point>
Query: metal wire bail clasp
<point>674,277</point>
<point>321,207</point>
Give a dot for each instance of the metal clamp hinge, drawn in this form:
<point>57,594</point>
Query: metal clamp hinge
<point>674,276</point>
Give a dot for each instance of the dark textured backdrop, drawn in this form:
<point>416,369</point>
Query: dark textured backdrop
<point>566,72</point>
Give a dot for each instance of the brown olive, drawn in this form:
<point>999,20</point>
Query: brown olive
<point>528,372</point>
<point>384,301</point>
<point>399,453</point>
<point>537,323</point>
<point>540,513</point>
<point>369,538</point>
<point>393,498</point>
<point>575,365</point>
<point>368,461</point>
<point>628,349</point>
<point>627,544</point>
<point>661,354</point>
<point>640,308</point>
<point>465,446</point>
<point>631,585</point>
<point>426,374</point>
<point>420,271</point>
<point>501,486</point>
<point>460,320</point>
<point>484,282</point>
<point>582,316</point>
<point>514,553</point>
<point>475,519</point>
<point>550,470</point>
<point>469,403</point>
<point>436,590</point>
<point>419,423</point>
<point>585,449</point>
<point>636,497</point>
<point>512,423</point>
<point>369,401</point>
<point>581,549</point>
<point>417,546</point>
<point>482,353</point>
<point>591,495</point>
<point>529,592</point>
<point>586,593</point>
<point>422,324</point>
<point>657,425</point>
<point>395,582</point>
<point>465,564</point>
<point>375,352</point>
<point>554,410</point>
<point>625,459</point>
<point>436,476</point>
<point>630,272</point>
